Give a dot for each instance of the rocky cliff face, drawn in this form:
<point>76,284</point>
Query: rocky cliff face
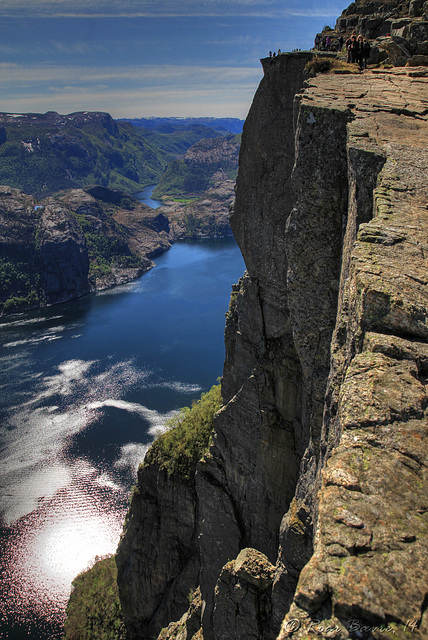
<point>205,217</point>
<point>311,515</point>
<point>205,181</point>
<point>196,171</point>
<point>72,243</point>
<point>397,30</point>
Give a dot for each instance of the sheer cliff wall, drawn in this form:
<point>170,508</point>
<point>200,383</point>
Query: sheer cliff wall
<point>311,501</point>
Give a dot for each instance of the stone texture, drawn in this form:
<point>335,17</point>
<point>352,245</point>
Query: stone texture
<point>189,625</point>
<point>156,557</point>
<point>259,437</point>
<point>242,603</point>
<point>62,256</point>
<point>207,216</point>
<point>311,502</point>
<point>371,539</point>
<point>396,29</point>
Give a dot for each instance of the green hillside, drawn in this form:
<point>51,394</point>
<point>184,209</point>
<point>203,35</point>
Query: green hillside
<point>176,140</point>
<point>43,154</point>
<point>203,165</point>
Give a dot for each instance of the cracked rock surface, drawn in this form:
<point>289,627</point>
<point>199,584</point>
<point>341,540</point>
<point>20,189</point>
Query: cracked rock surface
<point>367,577</point>
<point>310,507</point>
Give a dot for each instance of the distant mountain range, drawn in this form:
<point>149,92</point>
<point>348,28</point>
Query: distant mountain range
<point>223,125</point>
<point>68,224</point>
<point>41,154</point>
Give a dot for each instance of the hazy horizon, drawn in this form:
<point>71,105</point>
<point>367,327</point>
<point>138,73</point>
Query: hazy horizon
<point>141,58</point>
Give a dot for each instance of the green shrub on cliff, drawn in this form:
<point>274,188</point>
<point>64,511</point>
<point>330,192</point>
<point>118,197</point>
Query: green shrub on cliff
<point>179,449</point>
<point>106,251</point>
<point>18,285</point>
<point>93,611</point>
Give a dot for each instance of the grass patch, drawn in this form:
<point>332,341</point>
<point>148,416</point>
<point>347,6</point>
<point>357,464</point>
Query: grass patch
<point>322,64</point>
<point>93,611</point>
<point>179,449</point>
<point>182,200</point>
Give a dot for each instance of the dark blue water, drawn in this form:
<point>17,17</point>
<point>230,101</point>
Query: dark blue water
<point>145,196</point>
<point>85,387</point>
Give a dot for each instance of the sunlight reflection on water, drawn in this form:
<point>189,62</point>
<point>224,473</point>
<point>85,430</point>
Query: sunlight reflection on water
<point>84,390</point>
<point>49,547</point>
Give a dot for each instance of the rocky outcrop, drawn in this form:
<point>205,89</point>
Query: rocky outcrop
<point>318,461</point>
<point>157,556</point>
<point>198,190</point>
<point>371,532</point>
<point>62,255</point>
<point>123,234</point>
<point>205,164</point>
<point>72,243</point>
<point>218,152</point>
<point>397,30</point>
<point>242,597</point>
<point>205,217</point>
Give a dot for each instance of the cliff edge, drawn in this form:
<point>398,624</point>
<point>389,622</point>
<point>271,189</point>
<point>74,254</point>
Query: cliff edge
<point>308,515</point>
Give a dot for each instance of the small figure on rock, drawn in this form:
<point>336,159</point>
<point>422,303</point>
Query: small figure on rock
<point>359,52</point>
<point>352,49</point>
<point>366,53</point>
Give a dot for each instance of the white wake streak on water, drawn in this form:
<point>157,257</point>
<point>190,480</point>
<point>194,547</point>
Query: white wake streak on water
<point>132,453</point>
<point>49,336</point>
<point>181,387</point>
<point>24,322</point>
<point>154,418</point>
<point>32,465</point>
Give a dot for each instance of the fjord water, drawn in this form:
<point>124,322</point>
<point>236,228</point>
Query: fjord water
<point>145,196</point>
<point>85,386</point>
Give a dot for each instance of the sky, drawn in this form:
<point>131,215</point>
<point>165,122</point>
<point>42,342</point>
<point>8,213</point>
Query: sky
<point>141,58</point>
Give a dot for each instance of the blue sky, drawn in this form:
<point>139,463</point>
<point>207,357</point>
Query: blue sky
<point>135,58</point>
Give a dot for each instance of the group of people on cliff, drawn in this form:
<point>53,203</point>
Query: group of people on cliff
<point>357,47</point>
<point>327,43</point>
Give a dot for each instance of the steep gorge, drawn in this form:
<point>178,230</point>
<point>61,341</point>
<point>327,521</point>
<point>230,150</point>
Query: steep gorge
<point>310,508</point>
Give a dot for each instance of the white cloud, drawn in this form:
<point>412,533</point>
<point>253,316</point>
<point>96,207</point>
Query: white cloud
<point>130,91</point>
<point>163,8</point>
<point>215,102</point>
<point>37,74</point>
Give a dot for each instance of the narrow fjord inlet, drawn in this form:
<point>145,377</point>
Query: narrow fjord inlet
<point>85,387</point>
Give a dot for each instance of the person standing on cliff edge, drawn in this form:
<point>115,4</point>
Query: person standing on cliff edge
<point>358,55</point>
<point>366,53</point>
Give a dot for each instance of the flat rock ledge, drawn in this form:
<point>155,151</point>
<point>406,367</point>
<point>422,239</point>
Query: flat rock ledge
<point>368,576</point>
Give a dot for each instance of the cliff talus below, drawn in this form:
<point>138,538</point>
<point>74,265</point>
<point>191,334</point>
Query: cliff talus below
<point>310,506</point>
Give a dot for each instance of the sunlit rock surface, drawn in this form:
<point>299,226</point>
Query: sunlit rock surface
<point>318,458</point>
